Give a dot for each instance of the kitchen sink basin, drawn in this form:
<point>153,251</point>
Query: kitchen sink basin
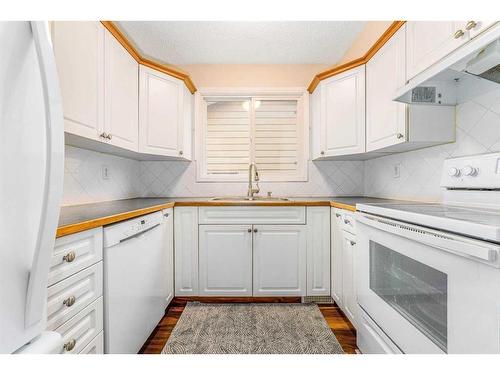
<point>247,199</point>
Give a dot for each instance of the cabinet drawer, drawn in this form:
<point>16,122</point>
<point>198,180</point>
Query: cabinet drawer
<point>252,215</point>
<point>348,222</point>
<point>75,252</point>
<point>96,346</point>
<point>82,328</point>
<point>68,297</point>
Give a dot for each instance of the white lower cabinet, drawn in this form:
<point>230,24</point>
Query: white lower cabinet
<point>336,256</point>
<point>74,294</point>
<point>169,236</point>
<point>279,260</point>
<point>225,260</point>
<point>186,251</point>
<point>343,263</point>
<point>318,251</point>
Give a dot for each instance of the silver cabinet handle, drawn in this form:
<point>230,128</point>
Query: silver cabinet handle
<point>249,230</point>
<point>181,152</point>
<point>399,136</point>
<point>470,25</point>
<point>352,243</point>
<point>165,215</point>
<point>69,257</point>
<point>255,230</point>
<point>70,301</point>
<point>338,215</point>
<point>70,345</point>
<point>347,221</point>
<point>458,34</point>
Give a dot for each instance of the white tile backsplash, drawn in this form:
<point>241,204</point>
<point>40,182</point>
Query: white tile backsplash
<point>83,182</point>
<point>178,179</point>
<point>478,131</point>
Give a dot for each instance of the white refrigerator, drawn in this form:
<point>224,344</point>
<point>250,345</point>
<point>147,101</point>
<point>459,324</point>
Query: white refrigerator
<point>31,179</point>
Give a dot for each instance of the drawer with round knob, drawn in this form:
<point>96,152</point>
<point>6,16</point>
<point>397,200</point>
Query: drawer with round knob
<point>81,329</point>
<point>75,252</point>
<point>66,298</point>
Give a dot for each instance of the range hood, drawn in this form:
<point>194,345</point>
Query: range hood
<point>471,70</point>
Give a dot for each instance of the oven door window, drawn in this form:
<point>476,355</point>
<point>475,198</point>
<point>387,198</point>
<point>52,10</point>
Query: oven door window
<point>416,291</point>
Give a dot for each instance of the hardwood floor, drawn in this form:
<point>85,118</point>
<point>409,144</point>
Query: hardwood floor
<point>339,324</point>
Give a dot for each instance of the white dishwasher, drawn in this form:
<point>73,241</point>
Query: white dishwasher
<point>137,279</point>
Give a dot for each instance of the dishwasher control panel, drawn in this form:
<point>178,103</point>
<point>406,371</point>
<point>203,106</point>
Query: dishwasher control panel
<point>116,233</point>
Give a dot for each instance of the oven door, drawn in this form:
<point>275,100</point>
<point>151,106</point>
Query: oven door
<point>429,292</point>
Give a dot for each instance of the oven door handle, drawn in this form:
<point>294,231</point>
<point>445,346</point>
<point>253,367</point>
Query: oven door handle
<point>464,246</point>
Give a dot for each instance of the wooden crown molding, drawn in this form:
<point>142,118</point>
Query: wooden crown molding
<point>360,60</point>
<point>122,39</point>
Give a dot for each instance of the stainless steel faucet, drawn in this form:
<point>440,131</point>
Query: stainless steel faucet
<point>251,178</point>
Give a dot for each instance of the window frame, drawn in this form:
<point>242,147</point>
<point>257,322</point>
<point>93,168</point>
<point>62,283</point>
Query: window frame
<point>200,121</point>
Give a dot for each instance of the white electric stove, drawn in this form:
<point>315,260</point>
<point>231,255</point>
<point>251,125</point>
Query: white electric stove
<point>429,274</point>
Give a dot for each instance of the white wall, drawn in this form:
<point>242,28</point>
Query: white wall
<point>478,131</point>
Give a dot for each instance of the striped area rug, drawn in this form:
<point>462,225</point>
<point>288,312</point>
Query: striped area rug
<point>256,328</point>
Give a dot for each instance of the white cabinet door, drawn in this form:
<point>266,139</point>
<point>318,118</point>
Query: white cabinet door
<point>342,118</point>
<point>161,113</point>
<point>348,277</point>
<point>279,260</point>
<point>169,237</point>
<point>121,86</point>
<point>385,73</point>
<point>78,49</point>
<point>186,251</point>
<point>429,41</point>
<point>318,251</point>
<point>225,266</point>
<point>337,243</point>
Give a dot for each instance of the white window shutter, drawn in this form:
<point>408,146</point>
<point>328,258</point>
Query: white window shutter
<point>227,137</point>
<point>276,142</point>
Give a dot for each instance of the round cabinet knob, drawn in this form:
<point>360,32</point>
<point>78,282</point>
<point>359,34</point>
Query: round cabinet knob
<point>458,34</point>
<point>255,230</point>
<point>70,345</point>
<point>470,171</point>
<point>70,301</point>
<point>104,135</point>
<point>249,230</point>
<point>181,153</point>
<point>470,25</point>
<point>347,221</point>
<point>322,152</point>
<point>399,136</point>
<point>110,136</point>
<point>69,257</point>
<point>454,172</point>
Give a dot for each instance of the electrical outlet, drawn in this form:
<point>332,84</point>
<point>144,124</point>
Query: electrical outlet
<point>105,172</point>
<point>397,170</point>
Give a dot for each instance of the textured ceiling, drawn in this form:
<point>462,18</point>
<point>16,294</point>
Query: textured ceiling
<point>207,42</point>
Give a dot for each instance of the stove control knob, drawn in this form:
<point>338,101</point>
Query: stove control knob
<point>454,172</point>
<point>470,171</point>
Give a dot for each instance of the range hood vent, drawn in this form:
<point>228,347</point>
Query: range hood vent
<point>471,70</point>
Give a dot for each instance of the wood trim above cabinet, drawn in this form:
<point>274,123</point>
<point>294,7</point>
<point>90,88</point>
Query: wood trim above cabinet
<point>360,60</point>
<point>122,39</point>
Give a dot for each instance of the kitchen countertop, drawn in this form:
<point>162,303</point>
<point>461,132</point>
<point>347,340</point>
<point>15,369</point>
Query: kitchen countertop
<point>74,219</point>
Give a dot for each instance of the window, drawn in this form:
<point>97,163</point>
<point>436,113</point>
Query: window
<point>269,130</point>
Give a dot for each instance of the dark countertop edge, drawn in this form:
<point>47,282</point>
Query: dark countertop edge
<point>344,202</point>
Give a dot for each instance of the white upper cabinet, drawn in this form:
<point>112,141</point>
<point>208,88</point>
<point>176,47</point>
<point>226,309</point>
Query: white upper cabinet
<point>429,41</point>
<point>121,99</point>
<point>385,73</point>
<point>79,53</point>
<point>165,107</point>
<point>338,115</point>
